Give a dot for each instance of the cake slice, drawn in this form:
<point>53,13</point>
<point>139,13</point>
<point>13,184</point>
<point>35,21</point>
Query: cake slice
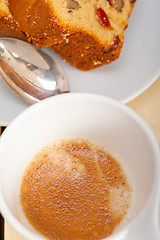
<point>8,26</point>
<point>86,33</point>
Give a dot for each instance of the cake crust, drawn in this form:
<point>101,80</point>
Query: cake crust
<point>8,26</point>
<point>75,45</point>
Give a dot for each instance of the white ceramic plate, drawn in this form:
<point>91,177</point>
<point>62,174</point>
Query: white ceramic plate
<point>135,70</point>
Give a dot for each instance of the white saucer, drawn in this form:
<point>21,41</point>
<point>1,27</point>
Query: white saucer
<point>135,70</point>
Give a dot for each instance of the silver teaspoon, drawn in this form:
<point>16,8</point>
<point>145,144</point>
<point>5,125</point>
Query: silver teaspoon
<point>31,73</point>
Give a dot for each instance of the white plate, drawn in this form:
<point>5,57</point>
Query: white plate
<point>135,70</point>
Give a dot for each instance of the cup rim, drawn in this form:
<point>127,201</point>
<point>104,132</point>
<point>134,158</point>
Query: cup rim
<point>127,110</point>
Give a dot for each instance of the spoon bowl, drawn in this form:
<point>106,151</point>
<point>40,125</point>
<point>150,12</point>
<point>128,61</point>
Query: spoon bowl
<point>31,73</point>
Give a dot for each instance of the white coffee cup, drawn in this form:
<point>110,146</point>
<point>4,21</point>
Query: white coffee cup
<point>97,118</point>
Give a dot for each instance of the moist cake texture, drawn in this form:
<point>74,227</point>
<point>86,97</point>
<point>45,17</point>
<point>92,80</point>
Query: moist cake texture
<point>86,33</point>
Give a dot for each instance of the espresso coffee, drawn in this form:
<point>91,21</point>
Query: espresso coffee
<point>75,190</point>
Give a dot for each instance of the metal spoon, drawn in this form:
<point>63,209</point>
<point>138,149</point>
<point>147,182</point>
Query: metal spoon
<point>31,73</point>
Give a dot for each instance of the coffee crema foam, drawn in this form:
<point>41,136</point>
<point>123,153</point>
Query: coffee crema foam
<point>73,189</point>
